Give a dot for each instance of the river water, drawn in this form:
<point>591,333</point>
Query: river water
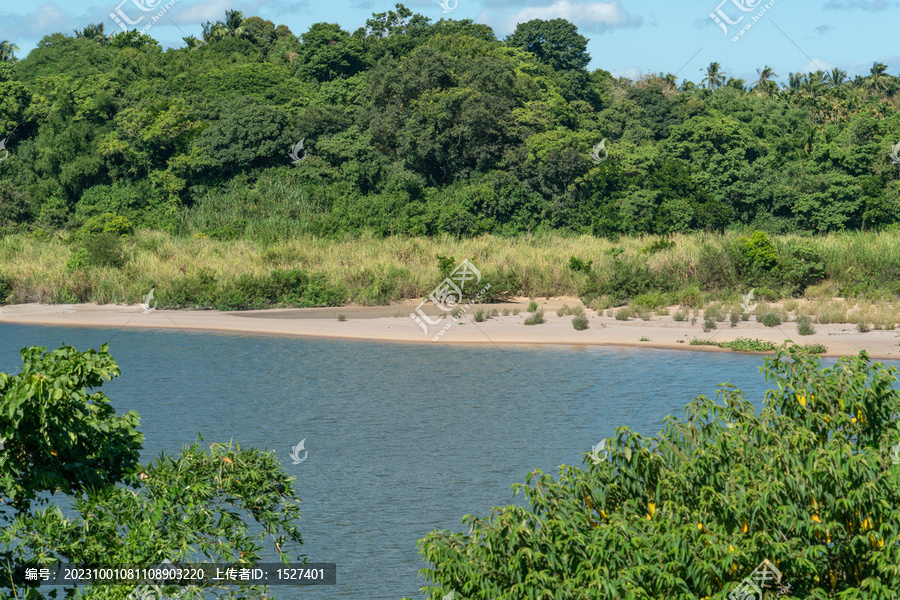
<point>402,439</point>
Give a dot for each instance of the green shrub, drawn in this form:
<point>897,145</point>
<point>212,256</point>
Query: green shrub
<point>709,323</point>
<point>342,317</point>
<point>6,288</point>
<point>801,265</point>
<point>78,260</point>
<point>98,250</point>
<point>748,345</point>
<point>734,316</point>
<point>658,246</point>
<point>805,326</point>
<point>107,223</point>
<point>715,268</point>
<point>679,315</point>
<point>760,253</point>
<point>767,294</point>
<point>691,296</point>
<point>479,316</point>
<point>624,313</point>
<point>770,319</point>
<point>580,323</point>
<point>714,311</point>
<point>815,348</point>
<point>446,264</point>
<point>563,311</point>
<point>579,266</point>
<point>535,319</point>
<point>650,300</point>
<point>644,339</point>
<point>862,325</point>
<point>532,306</point>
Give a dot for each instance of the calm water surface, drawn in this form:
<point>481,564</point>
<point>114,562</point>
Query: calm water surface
<point>402,438</point>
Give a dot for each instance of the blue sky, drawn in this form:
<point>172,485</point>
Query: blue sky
<point>627,38</point>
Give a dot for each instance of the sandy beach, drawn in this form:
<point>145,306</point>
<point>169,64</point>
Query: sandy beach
<point>392,323</point>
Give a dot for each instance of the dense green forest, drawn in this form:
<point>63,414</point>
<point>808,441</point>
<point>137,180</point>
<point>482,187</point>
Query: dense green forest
<point>421,128</point>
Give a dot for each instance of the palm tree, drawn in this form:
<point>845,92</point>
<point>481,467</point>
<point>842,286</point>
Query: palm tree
<point>878,81</point>
<point>837,78</point>
<point>213,32</point>
<point>8,51</point>
<point>764,83</point>
<point>765,74</point>
<point>738,84</point>
<point>795,82</point>
<point>669,78</point>
<point>715,76</point>
<point>193,42</point>
<point>233,20</point>
<point>95,32</point>
<point>813,82</point>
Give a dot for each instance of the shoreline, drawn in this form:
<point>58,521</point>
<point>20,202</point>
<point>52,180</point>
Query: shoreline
<point>392,324</point>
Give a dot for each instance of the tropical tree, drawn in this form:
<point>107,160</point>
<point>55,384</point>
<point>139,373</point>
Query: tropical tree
<point>878,80</point>
<point>555,42</point>
<point>814,82</point>
<point>715,76</point>
<point>836,78</point>
<point>763,82</point>
<point>193,42</point>
<point>736,83</point>
<point>233,21</point>
<point>213,32</point>
<point>806,483</point>
<point>8,51</point>
<point>795,82</point>
<point>95,32</point>
<point>60,434</point>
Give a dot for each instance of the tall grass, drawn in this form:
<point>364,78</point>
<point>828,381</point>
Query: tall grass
<point>379,270</point>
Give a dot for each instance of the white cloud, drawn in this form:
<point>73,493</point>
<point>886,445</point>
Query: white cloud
<point>594,16</point>
<point>816,64</point>
<point>45,19</point>
<point>633,73</point>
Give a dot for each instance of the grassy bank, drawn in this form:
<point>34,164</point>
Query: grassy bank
<point>646,273</point>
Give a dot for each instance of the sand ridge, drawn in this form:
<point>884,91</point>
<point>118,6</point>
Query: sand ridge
<point>392,323</point>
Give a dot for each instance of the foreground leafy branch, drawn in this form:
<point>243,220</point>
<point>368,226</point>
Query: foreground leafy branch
<point>216,505</point>
<point>807,483</point>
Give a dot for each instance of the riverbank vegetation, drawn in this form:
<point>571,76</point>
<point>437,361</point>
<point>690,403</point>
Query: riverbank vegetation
<point>809,483</point>
<point>847,277</point>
